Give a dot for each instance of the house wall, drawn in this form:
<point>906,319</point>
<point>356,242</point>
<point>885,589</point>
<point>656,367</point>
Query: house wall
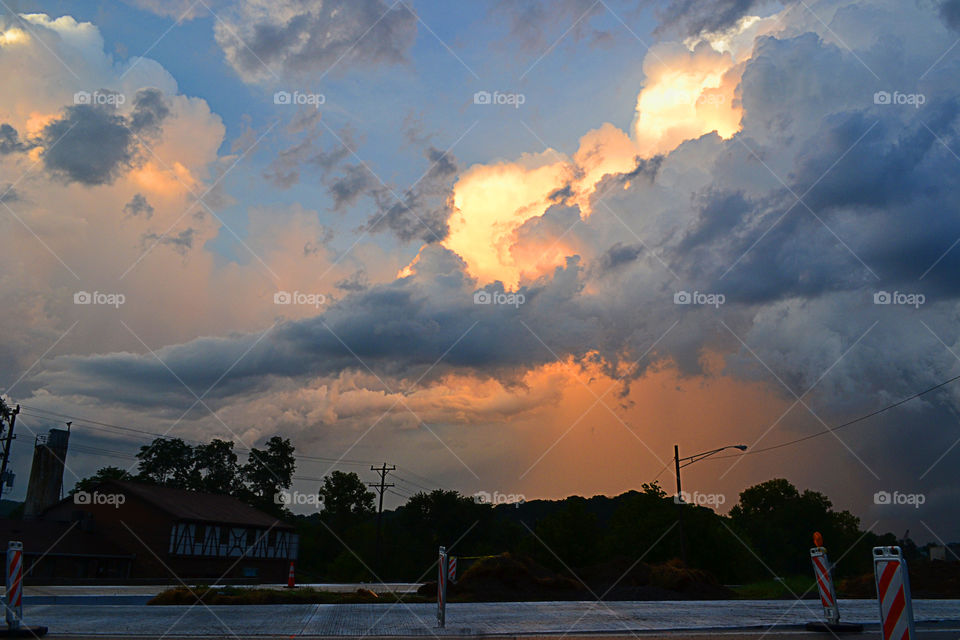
<point>168,549</point>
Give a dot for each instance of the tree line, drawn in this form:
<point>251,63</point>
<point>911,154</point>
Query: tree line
<point>768,530</point>
<point>213,467</point>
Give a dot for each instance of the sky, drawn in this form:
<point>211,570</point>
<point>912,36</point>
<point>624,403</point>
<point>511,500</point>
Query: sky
<point>521,248</point>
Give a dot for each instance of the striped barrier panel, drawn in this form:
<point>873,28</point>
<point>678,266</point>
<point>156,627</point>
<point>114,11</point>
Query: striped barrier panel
<point>14,604</point>
<point>452,568</point>
<point>828,594</point>
<point>893,594</point>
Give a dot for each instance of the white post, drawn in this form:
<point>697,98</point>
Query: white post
<point>442,589</point>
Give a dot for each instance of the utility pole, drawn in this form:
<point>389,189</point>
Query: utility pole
<point>688,460</point>
<point>680,505</point>
<point>8,417</point>
<point>380,487</point>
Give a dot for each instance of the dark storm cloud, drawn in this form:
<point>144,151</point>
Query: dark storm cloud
<point>353,182</point>
<point>535,25</point>
<point>424,209</point>
<point>950,12</point>
<point>149,111</point>
<point>310,36</point>
<point>398,329</point>
<point>357,281</point>
<point>618,255</point>
<point>138,205</point>
<point>10,141</point>
<point>182,242</point>
<point>306,153</point>
<point>91,145</point>
<point>693,17</point>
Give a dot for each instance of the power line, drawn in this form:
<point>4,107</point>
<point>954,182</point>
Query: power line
<point>420,477</point>
<point>411,483</point>
<point>845,424</point>
<point>93,424</point>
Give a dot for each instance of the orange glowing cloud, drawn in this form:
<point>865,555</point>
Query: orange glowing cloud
<point>688,94</point>
<point>690,91</point>
<point>491,202</point>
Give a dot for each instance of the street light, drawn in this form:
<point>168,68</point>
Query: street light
<point>687,461</point>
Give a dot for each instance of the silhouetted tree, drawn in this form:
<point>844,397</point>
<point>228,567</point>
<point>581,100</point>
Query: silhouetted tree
<point>166,461</point>
<point>105,473</point>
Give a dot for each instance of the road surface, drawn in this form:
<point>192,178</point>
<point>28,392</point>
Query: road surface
<point>501,618</point>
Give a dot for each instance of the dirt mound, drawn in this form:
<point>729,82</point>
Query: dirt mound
<point>506,578</point>
<point>936,579</point>
<point>509,577</point>
<point>621,579</point>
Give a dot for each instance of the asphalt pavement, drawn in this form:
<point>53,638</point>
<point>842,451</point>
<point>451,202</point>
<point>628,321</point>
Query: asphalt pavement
<point>502,619</point>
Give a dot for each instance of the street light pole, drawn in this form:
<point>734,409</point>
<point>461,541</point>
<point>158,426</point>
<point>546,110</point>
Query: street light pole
<point>679,501</point>
<point>697,457</point>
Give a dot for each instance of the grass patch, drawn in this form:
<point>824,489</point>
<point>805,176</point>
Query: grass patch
<point>226,595</point>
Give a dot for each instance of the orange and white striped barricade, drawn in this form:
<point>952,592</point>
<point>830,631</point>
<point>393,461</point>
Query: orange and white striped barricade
<point>452,569</point>
<point>14,608</point>
<point>893,594</point>
<point>14,600</point>
<point>823,571</point>
<point>824,574</point>
<point>442,589</point>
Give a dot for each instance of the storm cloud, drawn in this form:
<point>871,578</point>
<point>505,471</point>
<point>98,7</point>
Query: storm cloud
<point>314,36</point>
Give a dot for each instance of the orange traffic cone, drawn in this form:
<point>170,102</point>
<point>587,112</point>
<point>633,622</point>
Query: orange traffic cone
<point>290,578</point>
